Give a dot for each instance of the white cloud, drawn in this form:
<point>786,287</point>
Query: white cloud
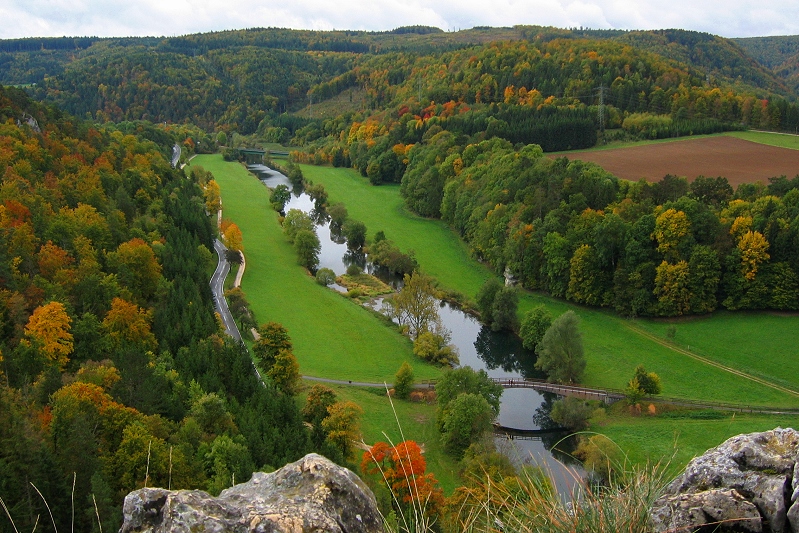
<point>733,18</point>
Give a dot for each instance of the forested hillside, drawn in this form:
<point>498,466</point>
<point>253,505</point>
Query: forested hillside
<point>234,80</point>
<point>114,370</point>
<point>780,54</point>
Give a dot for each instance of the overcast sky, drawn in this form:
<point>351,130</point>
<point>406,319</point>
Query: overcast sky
<point>117,18</point>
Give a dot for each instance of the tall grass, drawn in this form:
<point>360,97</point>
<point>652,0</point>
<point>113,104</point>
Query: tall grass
<point>621,506</point>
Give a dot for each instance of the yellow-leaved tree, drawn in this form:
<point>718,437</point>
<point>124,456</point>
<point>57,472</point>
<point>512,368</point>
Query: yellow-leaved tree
<point>754,251</point>
<point>48,328</point>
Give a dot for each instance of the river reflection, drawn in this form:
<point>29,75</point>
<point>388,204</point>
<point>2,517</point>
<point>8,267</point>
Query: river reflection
<point>500,354</point>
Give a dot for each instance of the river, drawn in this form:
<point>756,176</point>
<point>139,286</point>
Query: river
<point>500,354</point>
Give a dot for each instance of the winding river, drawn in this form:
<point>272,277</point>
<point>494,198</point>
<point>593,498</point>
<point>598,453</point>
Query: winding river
<point>500,354</point>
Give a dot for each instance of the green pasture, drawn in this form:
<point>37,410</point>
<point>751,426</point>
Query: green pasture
<point>679,439</point>
<point>762,344</point>
<point>332,336</point>
<point>612,348</point>
<point>782,140</point>
<point>440,252</point>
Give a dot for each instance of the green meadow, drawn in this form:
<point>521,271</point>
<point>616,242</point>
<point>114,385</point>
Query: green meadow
<point>332,336</point>
<point>613,347</point>
<point>440,252</point>
<point>782,140</point>
<point>677,439</point>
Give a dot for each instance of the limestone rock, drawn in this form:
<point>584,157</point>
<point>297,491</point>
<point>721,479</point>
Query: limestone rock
<point>312,494</point>
<point>747,476</point>
<point>687,512</point>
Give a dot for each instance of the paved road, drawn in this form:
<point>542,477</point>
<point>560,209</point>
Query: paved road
<point>176,151</point>
<point>218,289</point>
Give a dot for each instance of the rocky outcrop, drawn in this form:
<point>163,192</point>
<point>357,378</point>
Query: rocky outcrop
<point>312,494</point>
<point>748,483</point>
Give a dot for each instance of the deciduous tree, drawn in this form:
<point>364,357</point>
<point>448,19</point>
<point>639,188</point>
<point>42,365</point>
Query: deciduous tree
<point>213,197</point>
<point>534,325</point>
<point>403,467</point>
<point>272,339</point>
<point>48,329</point>
<point>285,372</point>
<point>403,381</point>
<point>137,268</point>
<point>672,288</point>
<point>466,420</point>
<point>307,246</point>
<point>232,237</point>
<point>343,426</point>
<point>126,324</point>
<point>416,305</point>
<point>671,226</point>
<point>560,353</point>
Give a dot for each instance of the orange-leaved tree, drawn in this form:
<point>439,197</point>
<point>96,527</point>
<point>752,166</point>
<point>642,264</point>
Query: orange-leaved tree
<point>126,324</point>
<point>49,329</point>
<point>403,467</point>
<point>231,235</point>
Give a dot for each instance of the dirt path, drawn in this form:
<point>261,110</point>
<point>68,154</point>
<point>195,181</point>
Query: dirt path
<point>710,362</point>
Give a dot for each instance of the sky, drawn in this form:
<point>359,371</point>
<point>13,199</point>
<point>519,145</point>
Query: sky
<point>121,18</point>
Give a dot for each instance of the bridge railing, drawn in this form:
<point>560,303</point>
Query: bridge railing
<point>617,394</point>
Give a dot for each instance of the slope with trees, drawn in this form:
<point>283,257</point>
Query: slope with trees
<point>115,372</point>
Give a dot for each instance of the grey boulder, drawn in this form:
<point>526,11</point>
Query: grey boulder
<point>312,494</point>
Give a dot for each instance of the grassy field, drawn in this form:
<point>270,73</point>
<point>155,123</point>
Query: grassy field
<point>780,140</point>
<point>332,336</point>
<point>646,438</point>
<point>763,344</point>
<point>772,139</point>
<point>613,349</point>
<point>440,252</point>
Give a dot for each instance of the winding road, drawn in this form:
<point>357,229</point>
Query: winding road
<point>218,290</point>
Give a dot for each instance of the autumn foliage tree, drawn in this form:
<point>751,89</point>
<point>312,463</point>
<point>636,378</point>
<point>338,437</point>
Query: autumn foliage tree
<point>49,330</point>
<point>343,426</point>
<point>213,197</point>
<point>231,236</point>
<point>137,268</point>
<point>127,324</point>
<point>402,468</point>
<point>272,339</point>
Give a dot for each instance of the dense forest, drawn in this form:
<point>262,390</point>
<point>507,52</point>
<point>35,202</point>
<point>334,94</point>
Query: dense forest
<point>242,81</point>
<point>114,369</point>
<point>779,54</point>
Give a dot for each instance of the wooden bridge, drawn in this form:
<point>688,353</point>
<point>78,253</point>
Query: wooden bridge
<point>608,396</point>
<point>254,155</point>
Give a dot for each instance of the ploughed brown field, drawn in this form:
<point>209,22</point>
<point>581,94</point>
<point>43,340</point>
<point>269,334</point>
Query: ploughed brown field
<point>737,160</point>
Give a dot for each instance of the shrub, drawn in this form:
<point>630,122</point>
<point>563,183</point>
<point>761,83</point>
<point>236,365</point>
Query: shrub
<point>325,277</point>
<point>572,413</point>
<point>435,349</point>
<point>354,270</point>
<point>403,381</point>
